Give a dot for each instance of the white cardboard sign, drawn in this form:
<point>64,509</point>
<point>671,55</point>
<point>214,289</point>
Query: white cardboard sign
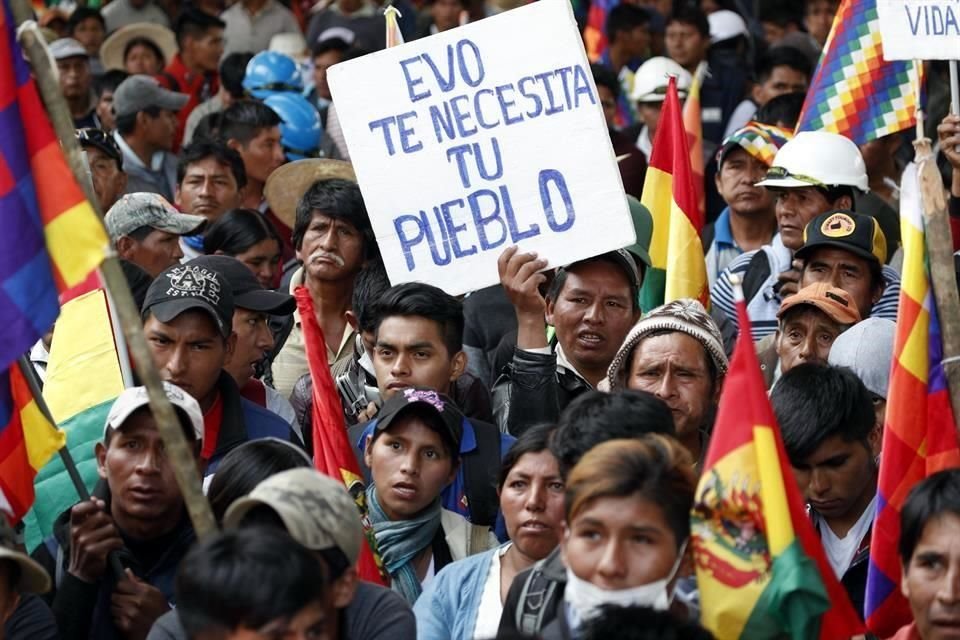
<point>479,138</point>
<point>920,29</point>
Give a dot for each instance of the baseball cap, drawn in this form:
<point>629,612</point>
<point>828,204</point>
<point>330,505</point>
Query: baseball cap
<point>247,291</point>
<point>33,577</point>
<point>143,209</point>
<point>64,48</point>
<point>317,511</point>
<point>140,92</point>
<point>100,139</point>
<point>643,226</point>
<point>859,234</point>
<point>136,398</point>
<point>184,287</point>
<point>622,258</point>
<point>835,302</point>
<point>436,403</point>
<point>762,141</point>
<point>867,348</point>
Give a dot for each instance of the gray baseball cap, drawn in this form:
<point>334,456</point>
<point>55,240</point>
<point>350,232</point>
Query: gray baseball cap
<point>136,398</point>
<point>867,349</point>
<point>143,209</point>
<point>317,510</point>
<point>64,48</point>
<point>140,92</point>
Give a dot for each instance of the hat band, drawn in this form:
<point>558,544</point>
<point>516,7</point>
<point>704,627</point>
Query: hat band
<point>779,173</point>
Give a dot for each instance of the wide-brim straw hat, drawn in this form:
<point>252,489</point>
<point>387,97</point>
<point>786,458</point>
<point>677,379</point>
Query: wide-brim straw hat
<point>111,51</point>
<point>286,185</point>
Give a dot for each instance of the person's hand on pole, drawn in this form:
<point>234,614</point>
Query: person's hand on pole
<point>93,536</point>
<point>521,279</point>
<point>948,135</point>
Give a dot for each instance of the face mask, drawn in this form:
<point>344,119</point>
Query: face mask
<point>587,598</point>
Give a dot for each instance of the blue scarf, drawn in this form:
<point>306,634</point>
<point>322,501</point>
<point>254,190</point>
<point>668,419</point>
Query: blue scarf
<point>400,541</point>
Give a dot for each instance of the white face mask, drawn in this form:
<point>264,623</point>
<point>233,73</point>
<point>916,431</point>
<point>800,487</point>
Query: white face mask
<point>587,598</point>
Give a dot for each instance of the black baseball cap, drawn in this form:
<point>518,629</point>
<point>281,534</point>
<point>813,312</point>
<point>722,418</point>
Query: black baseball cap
<point>188,286</point>
<point>100,139</point>
<point>247,291</point>
<point>447,415</point>
<point>841,228</point>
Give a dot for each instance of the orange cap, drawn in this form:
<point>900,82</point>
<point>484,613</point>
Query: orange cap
<point>834,302</point>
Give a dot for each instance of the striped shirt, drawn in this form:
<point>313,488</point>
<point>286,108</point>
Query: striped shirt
<point>763,306</point>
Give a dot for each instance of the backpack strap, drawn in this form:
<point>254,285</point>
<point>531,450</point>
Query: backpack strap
<point>536,593</point>
<point>480,471</point>
<point>758,270</point>
<point>479,539</point>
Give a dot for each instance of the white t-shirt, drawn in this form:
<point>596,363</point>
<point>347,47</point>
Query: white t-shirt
<point>840,551</point>
<point>491,608</point>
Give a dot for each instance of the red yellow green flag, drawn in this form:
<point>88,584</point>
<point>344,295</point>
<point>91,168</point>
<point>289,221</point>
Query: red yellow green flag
<point>760,567</point>
<point>693,125</point>
<point>679,269</point>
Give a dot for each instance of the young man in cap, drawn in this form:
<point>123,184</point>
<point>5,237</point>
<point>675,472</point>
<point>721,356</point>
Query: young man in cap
<point>867,350</point>
<point>419,343</point>
<point>810,322</point>
<point>748,222</point>
<point>106,165</point>
<point>847,250</point>
<point>146,230</point>
<point>675,352</point>
<point>146,125</point>
<point>334,240</point>
<point>253,306</point>
<point>649,90</point>
<point>322,516</point>
<point>591,304</point>
<point>22,613</point>
<point>210,181</point>
<point>76,81</point>
<point>930,557</point>
<point>188,322</point>
<point>829,432</point>
<point>812,173</point>
<point>254,583</point>
<point>136,511</point>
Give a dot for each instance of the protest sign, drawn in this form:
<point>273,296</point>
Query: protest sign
<point>479,138</point>
<point>920,29</point>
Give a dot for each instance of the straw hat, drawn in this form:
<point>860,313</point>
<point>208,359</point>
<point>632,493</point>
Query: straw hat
<point>111,51</point>
<point>285,186</point>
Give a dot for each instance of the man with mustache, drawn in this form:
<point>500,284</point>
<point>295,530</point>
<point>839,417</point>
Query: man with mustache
<point>334,240</point>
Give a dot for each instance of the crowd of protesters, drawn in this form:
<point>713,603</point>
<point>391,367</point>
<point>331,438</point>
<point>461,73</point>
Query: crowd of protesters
<point>530,452</point>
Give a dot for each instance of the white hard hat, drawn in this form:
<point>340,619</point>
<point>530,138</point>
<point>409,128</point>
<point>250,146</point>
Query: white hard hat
<point>650,81</point>
<point>817,159</point>
<point>726,24</point>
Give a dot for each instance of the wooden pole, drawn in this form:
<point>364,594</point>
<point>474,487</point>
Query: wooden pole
<point>180,455</point>
<point>942,273</point>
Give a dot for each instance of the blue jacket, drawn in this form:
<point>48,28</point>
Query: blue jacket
<point>447,608</point>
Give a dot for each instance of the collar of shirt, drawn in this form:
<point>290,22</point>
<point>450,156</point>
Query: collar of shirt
<point>129,155</point>
<point>722,233</point>
<point>563,363</point>
<point>644,143</point>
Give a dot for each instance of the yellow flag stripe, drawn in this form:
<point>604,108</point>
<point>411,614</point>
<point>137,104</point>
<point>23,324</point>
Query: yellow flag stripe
<point>776,513</point>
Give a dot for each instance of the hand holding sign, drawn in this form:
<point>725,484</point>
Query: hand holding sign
<point>479,138</point>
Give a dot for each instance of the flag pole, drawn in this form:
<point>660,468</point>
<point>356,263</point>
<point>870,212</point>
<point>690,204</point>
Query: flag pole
<point>942,273</point>
<point>180,455</point>
<point>33,383</point>
<point>954,89</point>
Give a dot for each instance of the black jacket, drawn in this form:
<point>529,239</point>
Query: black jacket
<point>532,390</point>
<point>82,609</point>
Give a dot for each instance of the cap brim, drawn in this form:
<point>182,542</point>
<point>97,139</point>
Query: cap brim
<point>783,183</point>
<point>240,508</point>
<point>266,301</point>
<point>171,100</point>
<point>857,251</point>
<point>286,185</point>
<point>169,309</point>
<point>641,253</point>
<point>33,578</point>
<point>181,224</point>
<point>829,310</point>
<point>111,51</point>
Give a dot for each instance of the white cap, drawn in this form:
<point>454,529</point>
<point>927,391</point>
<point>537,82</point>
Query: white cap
<point>650,80</point>
<point>726,24</point>
<point>136,398</point>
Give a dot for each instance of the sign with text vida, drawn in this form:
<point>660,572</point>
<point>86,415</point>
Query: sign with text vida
<point>479,138</point>
<point>920,29</point>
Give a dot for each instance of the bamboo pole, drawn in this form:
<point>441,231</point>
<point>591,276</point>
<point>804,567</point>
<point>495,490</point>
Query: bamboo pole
<point>180,456</point>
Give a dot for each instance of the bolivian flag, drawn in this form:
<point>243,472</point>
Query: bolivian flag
<point>760,567</point>
<point>679,269</point>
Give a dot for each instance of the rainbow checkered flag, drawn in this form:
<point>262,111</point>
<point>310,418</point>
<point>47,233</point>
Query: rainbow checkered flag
<point>855,92</point>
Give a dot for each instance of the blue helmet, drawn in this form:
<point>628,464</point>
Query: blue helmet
<point>300,129</point>
<point>270,72</point>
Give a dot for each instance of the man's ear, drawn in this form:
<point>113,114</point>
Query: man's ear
<point>459,365</point>
<point>344,588</point>
<point>548,315</point>
<point>125,247</point>
<point>100,451</point>
<point>843,202</point>
<point>875,439</point>
<point>234,144</point>
<point>176,196</point>
<point>904,586</point>
<point>352,320</point>
<point>231,346</point>
<point>367,458</point>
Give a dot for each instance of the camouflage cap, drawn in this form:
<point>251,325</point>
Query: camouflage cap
<point>317,511</point>
<point>143,209</point>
